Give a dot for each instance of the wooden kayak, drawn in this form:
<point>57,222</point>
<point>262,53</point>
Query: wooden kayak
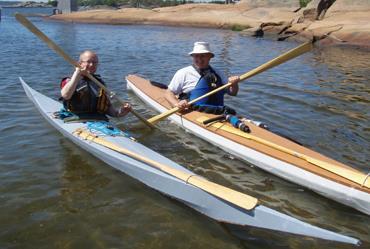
<point>183,191</point>
<point>268,151</point>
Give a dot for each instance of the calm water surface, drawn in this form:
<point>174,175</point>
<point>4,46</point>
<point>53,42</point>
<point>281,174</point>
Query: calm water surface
<point>55,195</point>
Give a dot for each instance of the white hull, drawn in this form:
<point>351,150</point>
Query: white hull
<point>323,186</point>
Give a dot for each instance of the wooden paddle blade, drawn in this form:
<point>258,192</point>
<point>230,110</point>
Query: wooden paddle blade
<point>26,23</point>
<point>348,173</point>
<point>244,201</point>
<point>351,174</point>
<point>236,198</point>
<point>275,62</point>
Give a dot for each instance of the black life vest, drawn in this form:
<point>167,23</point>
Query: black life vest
<point>208,81</point>
<point>88,98</point>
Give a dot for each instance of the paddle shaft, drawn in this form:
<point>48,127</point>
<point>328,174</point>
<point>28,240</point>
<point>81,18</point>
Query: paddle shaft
<point>348,173</point>
<point>239,199</point>
<point>26,23</point>
<point>305,47</point>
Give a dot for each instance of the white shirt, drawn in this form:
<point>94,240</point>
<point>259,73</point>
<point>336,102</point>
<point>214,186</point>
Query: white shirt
<point>186,78</point>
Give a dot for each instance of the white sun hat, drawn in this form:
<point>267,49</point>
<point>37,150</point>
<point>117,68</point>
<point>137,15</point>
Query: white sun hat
<point>201,48</point>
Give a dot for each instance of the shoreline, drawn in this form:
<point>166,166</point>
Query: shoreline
<point>339,28</point>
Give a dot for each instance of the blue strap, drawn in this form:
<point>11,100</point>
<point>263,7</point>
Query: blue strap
<point>63,113</point>
<point>106,128</point>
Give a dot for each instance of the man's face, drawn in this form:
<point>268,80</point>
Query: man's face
<point>89,61</point>
<point>201,60</point>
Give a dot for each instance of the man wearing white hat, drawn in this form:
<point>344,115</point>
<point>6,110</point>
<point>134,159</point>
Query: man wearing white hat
<point>198,79</point>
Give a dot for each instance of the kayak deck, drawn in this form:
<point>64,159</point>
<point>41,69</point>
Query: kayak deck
<point>228,141</point>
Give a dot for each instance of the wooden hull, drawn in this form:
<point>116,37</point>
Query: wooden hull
<point>274,161</point>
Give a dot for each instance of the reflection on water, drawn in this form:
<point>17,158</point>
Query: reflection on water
<point>80,182</point>
<point>54,193</point>
<point>225,55</point>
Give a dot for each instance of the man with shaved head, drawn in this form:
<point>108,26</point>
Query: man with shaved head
<point>82,96</point>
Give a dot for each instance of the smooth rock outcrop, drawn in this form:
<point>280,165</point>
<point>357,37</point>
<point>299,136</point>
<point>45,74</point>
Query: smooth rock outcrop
<point>271,3</point>
<point>350,5</point>
<point>316,20</point>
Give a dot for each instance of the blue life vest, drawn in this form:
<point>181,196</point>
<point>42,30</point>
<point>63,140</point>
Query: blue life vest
<point>208,81</point>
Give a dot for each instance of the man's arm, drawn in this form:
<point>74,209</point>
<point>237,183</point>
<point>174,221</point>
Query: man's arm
<point>174,87</point>
<point>174,101</point>
<point>69,88</point>
<point>171,98</point>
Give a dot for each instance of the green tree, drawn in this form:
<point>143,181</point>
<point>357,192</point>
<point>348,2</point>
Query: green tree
<point>303,3</point>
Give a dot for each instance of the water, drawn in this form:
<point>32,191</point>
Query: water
<point>55,195</point>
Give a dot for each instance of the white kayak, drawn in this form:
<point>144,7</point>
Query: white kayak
<point>192,196</point>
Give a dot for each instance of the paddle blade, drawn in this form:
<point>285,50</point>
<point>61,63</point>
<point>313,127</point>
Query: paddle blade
<point>242,200</point>
<point>239,199</point>
<point>350,174</point>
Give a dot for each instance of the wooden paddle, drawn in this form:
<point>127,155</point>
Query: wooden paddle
<point>275,62</point>
<point>348,173</point>
<point>239,199</point>
<point>26,23</point>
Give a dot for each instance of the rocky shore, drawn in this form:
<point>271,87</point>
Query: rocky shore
<point>343,22</point>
